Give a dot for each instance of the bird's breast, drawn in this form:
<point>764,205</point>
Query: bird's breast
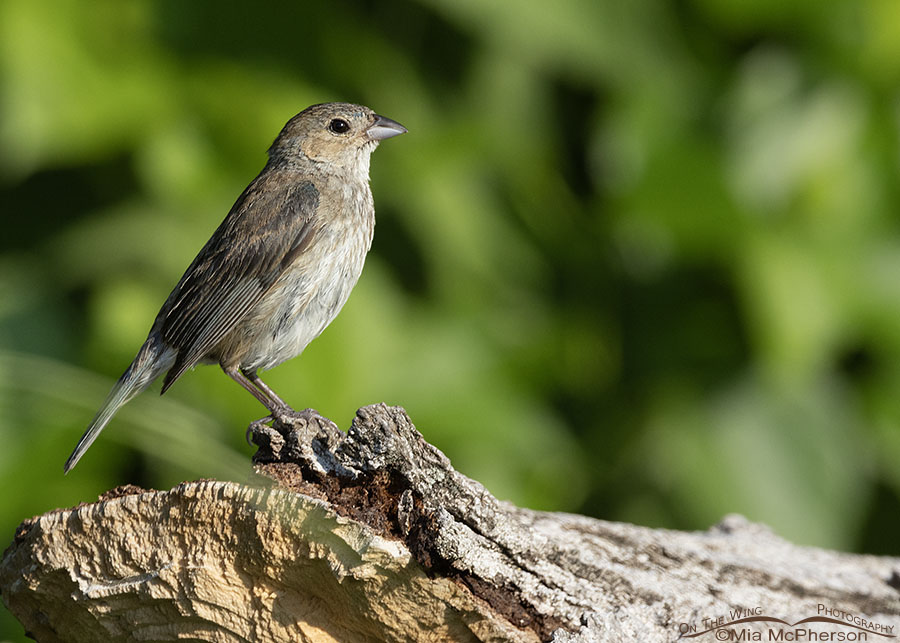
<point>313,289</point>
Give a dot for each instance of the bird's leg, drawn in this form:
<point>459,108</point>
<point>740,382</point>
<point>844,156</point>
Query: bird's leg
<point>262,386</point>
<point>286,413</point>
<point>273,405</point>
<point>278,408</point>
<point>235,374</point>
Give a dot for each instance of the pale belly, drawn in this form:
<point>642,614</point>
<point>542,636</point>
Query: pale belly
<point>300,305</point>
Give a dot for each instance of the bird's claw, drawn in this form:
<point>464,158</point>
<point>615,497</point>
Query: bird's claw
<point>255,426</point>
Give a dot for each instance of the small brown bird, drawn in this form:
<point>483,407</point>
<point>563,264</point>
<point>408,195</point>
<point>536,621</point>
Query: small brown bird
<point>277,270</point>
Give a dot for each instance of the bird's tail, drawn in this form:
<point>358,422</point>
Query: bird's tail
<point>153,358</point>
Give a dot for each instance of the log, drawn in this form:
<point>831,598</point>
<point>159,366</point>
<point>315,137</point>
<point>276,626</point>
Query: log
<point>373,536</point>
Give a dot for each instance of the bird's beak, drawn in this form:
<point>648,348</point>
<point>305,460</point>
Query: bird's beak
<point>384,128</point>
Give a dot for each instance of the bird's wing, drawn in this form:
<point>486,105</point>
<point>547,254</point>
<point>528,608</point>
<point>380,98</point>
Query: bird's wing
<point>269,226</point>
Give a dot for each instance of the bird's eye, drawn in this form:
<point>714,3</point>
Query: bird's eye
<point>339,126</point>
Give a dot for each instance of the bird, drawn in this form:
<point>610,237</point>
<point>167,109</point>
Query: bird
<point>276,271</point>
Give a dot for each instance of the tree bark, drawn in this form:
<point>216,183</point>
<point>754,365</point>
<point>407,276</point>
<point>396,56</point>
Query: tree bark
<point>373,536</point>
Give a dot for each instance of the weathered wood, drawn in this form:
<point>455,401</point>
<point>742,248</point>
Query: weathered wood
<point>372,535</point>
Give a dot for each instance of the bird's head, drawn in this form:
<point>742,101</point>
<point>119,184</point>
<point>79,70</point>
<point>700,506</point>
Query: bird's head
<point>341,134</point>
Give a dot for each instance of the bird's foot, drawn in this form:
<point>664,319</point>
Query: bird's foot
<point>285,421</point>
<point>309,417</point>
<point>297,436</point>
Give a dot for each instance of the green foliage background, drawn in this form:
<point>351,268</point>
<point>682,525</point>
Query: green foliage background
<point>639,260</point>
